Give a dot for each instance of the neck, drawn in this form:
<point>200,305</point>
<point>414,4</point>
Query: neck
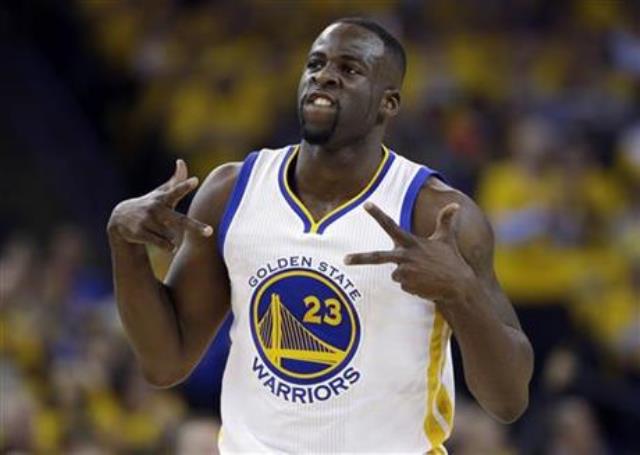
<point>331,174</point>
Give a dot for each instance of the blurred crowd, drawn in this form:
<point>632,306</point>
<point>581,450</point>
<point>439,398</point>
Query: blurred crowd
<point>532,107</point>
<point>68,381</point>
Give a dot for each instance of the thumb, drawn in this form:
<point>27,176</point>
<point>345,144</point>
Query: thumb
<point>444,224</point>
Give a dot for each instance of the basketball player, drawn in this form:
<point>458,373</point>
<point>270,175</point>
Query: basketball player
<point>347,269</point>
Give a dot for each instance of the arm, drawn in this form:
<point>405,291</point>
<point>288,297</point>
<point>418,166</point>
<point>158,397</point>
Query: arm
<point>450,261</point>
<point>496,354</point>
<point>170,324</point>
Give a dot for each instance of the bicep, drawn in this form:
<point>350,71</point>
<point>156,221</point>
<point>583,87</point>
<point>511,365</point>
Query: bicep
<point>199,285</point>
<point>476,242</point>
<point>197,278</point>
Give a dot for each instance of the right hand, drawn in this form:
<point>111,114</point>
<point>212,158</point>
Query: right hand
<point>152,218</point>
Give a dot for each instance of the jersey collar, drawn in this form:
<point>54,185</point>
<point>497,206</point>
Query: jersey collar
<point>318,227</point>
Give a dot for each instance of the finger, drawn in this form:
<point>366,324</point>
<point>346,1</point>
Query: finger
<point>178,223</point>
<point>181,171</point>
<point>444,223</point>
<point>398,274</point>
<point>180,174</point>
<point>374,257</point>
<point>398,234</point>
<point>164,228</point>
<point>185,223</point>
<point>408,289</point>
<point>149,237</point>
<point>173,195</point>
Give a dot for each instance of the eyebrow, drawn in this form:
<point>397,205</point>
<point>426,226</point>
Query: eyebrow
<point>349,57</point>
<point>353,58</point>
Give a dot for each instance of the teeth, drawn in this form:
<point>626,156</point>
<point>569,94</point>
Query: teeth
<point>321,102</point>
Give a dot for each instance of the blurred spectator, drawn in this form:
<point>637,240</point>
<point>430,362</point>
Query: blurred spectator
<point>198,437</point>
<point>68,377</point>
<point>477,433</point>
<point>575,430</point>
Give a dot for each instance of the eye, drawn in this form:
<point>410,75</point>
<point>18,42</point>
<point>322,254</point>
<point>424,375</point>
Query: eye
<point>314,64</point>
<point>350,70</point>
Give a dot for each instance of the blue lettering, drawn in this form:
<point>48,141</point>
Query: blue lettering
<point>298,392</point>
<point>336,384</point>
<point>271,383</point>
<point>284,389</point>
<point>322,396</point>
<point>352,375</point>
<point>259,367</point>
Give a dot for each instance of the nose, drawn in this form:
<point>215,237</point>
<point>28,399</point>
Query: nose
<point>326,77</point>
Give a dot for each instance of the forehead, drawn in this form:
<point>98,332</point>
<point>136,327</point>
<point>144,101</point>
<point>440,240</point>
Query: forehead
<point>349,39</point>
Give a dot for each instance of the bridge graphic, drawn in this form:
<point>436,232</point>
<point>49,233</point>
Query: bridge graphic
<point>284,337</point>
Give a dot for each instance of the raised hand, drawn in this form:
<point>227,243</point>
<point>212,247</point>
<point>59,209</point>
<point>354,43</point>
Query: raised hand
<point>152,218</point>
<point>431,267</point>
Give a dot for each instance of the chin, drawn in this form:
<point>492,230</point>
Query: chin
<point>317,134</point>
<point>316,137</point>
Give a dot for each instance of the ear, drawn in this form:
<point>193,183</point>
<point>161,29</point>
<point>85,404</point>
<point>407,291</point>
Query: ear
<point>390,103</point>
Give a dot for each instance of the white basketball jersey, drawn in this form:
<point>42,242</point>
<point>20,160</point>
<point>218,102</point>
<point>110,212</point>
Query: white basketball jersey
<point>327,357</point>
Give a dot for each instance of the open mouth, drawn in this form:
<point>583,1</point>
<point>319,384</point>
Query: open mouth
<point>320,100</point>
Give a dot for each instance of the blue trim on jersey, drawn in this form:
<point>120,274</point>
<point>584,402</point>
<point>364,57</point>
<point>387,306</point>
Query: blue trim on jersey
<point>311,225</point>
<point>234,200</point>
<point>287,196</point>
<point>409,202</point>
<point>355,202</point>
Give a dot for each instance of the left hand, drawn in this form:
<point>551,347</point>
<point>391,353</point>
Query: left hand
<point>432,267</point>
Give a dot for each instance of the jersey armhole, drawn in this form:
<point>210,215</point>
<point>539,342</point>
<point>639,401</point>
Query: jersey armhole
<point>409,202</point>
<point>234,200</point>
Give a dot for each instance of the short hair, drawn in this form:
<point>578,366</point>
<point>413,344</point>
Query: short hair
<point>391,43</point>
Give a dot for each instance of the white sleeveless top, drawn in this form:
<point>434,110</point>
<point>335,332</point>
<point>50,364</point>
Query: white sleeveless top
<point>327,357</point>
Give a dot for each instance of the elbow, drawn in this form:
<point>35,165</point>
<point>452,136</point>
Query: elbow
<point>516,401</point>
<point>506,404</point>
<point>163,379</point>
<point>507,409</point>
<point>511,411</point>
<point>505,394</point>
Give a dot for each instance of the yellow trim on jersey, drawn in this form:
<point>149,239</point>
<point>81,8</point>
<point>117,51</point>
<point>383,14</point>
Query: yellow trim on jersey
<point>315,225</point>
<point>437,396</point>
<point>444,404</point>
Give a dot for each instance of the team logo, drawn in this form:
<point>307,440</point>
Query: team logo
<point>306,331</point>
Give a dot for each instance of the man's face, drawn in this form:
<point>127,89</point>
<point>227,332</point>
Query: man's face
<point>341,87</point>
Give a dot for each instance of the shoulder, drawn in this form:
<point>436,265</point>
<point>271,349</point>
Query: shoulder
<point>472,228</point>
<point>433,197</point>
<point>221,178</point>
<point>211,199</point>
